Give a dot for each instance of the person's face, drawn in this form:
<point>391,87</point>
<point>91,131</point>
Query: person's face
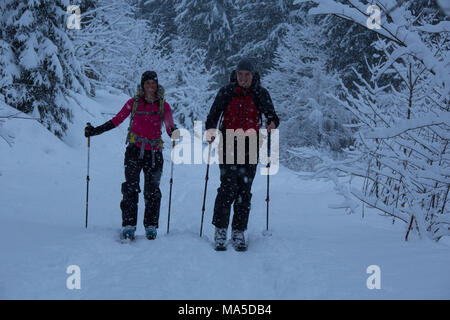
<point>244,78</point>
<point>150,87</point>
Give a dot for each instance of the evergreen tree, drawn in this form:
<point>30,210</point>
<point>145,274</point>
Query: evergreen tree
<point>226,29</point>
<point>207,25</point>
<point>300,85</point>
<point>161,15</point>
<point>38,62</point>
<point>189,85</point>
<point>116,46</point>
<point>348,47</point>
<point>258,26</point>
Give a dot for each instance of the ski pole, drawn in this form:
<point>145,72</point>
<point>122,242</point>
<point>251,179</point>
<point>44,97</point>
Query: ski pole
<point>87,180</point>
<point>206,186</point>
<point>268,168</point>
<point>171,183</point>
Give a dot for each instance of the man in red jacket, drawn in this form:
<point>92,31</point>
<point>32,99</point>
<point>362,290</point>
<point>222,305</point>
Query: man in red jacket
<point>148,112</point>
<point>241,104</point>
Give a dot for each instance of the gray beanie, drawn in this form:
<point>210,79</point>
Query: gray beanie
<point>245,64</point>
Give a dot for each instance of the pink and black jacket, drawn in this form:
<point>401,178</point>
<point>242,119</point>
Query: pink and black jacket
<point>147,121</point>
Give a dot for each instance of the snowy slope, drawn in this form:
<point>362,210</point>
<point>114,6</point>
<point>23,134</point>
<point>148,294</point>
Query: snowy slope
<point>314,252</point>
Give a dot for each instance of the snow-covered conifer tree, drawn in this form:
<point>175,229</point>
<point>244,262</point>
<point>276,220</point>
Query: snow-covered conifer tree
<point>189,85</point>
<point>299,84</point>
<point>38,63</point>
<point>258,26</point>
<point>206,25</point>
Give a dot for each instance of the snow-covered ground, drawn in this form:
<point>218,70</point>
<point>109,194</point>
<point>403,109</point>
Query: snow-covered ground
<point>314,252</point>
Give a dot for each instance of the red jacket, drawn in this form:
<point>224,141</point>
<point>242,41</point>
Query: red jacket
<point>242,112</point>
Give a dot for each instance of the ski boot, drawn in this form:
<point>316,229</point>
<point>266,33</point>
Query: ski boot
<point>150,232</point>
<point>238,240</point>
<point>220,239</point>
<point>128,233</point>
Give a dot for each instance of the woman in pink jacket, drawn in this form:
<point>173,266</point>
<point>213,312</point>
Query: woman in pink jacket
<point>148,111</point>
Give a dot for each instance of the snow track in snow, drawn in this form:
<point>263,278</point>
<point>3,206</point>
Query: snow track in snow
<point>313,253</point>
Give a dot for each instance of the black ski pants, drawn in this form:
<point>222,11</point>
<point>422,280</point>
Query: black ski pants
<point>152,165</point>
<point>235,189</point>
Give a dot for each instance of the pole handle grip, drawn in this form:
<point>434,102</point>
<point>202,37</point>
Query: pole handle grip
<point>89,138</point>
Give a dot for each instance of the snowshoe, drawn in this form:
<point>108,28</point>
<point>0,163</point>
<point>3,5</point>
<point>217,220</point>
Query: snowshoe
<point>128,233</point>
<point>220,239</point>
<point>150,232</point>
<point>238,240</point>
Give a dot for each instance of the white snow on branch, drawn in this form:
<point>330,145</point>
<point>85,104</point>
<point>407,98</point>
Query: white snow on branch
<point>407,125</point>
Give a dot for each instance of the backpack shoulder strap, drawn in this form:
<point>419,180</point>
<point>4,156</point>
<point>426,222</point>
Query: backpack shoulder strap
<point>230,91</point>
<point>135,106</point>
<point>162,102</point>
<point>133,113</point>
<point>256,95</point>
<point>228,94</point>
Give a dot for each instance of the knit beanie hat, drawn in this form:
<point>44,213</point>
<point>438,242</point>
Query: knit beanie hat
<point>245,64</point>
<point>148,75</point>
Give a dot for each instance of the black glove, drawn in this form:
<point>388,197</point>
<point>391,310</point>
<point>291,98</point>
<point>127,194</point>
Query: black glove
<point>89,130</point>
<point>94,131</point>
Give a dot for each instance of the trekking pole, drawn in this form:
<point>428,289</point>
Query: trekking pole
<point>268,168</point>
<point>87,180</point>
<point>171,183</point>
<point>206,186</point>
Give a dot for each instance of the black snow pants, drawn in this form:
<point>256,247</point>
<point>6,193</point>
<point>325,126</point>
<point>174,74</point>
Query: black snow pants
<point>235,189</point>
<point>152,165</point>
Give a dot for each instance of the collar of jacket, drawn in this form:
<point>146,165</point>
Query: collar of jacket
<point>150,102</point>
<point>240,91</point>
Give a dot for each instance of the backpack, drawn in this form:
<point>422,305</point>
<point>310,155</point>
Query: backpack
<point>131,136</point>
